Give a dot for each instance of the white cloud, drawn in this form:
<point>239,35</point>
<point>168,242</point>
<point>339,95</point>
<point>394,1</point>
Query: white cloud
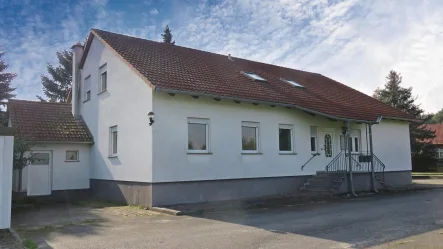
<point>354,42</point>
<point>154,11</point>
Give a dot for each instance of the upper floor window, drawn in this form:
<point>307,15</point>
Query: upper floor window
<point>250,137</point>
<point>103,79</point>
<point>113,139</point>
<point>254,76</point>
<point>87,89</point>
<point>285,138</point>
<point>198,135</point>
<point>313,139</point>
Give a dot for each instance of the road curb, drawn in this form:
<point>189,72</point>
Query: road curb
<point>166,211</point>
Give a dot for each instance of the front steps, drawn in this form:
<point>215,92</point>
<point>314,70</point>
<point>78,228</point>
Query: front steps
<point>323,184</point>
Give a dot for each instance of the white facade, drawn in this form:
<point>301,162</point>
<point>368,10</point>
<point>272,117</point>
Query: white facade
<point>172,163</point>
<point>159,153</point>
<point>123,105</point>
<point>60,174</point>
<point>6,157</point>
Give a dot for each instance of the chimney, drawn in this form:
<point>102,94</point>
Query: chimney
<point>77,53</point>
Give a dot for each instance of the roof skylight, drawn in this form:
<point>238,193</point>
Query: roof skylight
<point>254,76</point>
<point>292,83</point>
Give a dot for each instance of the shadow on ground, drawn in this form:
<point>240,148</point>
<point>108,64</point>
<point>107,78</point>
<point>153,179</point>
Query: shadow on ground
<point>360,222</point>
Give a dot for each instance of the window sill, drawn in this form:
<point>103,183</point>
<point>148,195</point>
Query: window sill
<point>84,101</point>
<point>72,161</point>
<point>287,153</point>
<point>198,153</point>
<point>252,153</point>
<point>115,156</point>
<point>101,92</point>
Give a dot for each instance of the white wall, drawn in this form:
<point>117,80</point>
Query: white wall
<point>125,103</point>
<point>172,163</point>
<point>6,154</point>
<point>392,144</point>
<point>65,175</point>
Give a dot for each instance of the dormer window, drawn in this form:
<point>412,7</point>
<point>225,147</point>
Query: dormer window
<point>253,76</point>
<point>292,83</point>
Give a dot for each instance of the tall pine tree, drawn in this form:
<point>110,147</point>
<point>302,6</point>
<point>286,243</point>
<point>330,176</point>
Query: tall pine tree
<point>393,94</point>
<point>5,87</point>
<point>56,85</point>
<point>167,36</point>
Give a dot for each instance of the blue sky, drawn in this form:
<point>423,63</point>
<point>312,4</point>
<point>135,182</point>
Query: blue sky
<point>354,42</point>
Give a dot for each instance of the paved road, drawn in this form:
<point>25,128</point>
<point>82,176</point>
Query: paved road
<point>408,220</point>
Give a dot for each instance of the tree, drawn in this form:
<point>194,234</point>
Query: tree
<point>167,36</point>
<point>393,94</point>
<point>5,87</point>
<point>437,118</point>
<point>22,157</point>
<point>56,85</point>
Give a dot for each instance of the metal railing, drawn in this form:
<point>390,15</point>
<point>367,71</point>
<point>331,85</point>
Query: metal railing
<point>313,155</point>
<point>360,162</point>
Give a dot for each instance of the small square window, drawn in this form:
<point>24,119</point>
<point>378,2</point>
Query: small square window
<point>72,156</point>
<point>198,135</point>
<point>285,139</point>
<point>88,95</point>
<point>254,76</point>
<point>113,141</point>
<point>250,137</point>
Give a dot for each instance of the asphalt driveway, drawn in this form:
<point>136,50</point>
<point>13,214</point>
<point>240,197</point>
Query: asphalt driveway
<point>407,220</point>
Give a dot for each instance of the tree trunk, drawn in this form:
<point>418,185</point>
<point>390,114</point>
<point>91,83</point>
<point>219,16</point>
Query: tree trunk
<point>20,181</point>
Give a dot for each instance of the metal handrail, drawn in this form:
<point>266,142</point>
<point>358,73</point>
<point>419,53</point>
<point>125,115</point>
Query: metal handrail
<point>313,155</point>
<point>382,165</point>
<point>333,161</point>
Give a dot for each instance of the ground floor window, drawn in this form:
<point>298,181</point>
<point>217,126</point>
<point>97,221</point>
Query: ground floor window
<point>250,137</point>
<point>198,135</point>
<point>440,153</point>
<point>72,156</point>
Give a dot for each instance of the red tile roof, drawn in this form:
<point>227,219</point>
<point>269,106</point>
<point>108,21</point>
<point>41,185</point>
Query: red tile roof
<point>176,69</point>
<point>49,122</point>
<point>438,128</point>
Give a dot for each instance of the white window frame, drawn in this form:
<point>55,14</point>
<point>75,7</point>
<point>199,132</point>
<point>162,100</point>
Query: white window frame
<point>292,83</point>
<point>352,143</point>
<point>76,160</point>
<point>87,89</point>
<point>439,152</point>
<point>101,71</point>
<point>254,76</point>
<point>315,139</point>
<point>113,129</point>
<point>206,122</point>
<point>255,125</point>
<point>291,128</point>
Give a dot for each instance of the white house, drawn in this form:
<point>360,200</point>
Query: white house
<point>218,128</point>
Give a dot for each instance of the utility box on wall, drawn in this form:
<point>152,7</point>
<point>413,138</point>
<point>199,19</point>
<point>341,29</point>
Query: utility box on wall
<point>6,157</point>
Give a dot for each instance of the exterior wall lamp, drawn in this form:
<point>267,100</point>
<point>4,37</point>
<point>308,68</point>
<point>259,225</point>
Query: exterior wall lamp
<point>151,118</point>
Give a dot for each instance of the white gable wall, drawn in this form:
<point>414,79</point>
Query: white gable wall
<point>170,138</point>
<point>125,104</point>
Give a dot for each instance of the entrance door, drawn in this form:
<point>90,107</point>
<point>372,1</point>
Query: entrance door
<point>39,174</point>
<point>327,145</point>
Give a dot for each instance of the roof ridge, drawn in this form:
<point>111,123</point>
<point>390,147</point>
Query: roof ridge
<point>204,51</point>
<point>36,101</point>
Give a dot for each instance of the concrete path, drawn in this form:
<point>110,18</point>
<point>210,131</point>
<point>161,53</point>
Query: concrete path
<point>404,220</point>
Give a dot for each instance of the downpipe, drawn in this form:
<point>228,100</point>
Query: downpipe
<point>372,158</point>
<point>348,136</point>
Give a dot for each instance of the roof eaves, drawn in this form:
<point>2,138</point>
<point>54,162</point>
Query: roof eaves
<point>264,102</point>
<point>88,45</point>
